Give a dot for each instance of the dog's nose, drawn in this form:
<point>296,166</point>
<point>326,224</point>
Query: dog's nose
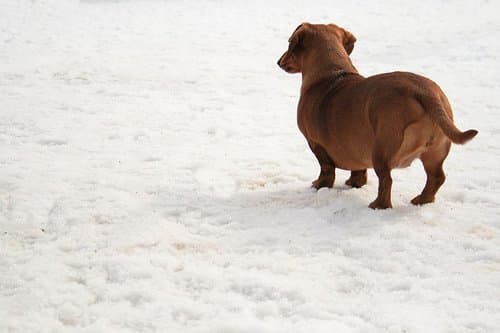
<point>279,61</point>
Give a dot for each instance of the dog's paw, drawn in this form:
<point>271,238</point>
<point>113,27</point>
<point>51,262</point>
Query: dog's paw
<point>358,179</point>
<point>322,182</point>
<point>378,204</point>
<point>355,182</point>
<point>421,200</point>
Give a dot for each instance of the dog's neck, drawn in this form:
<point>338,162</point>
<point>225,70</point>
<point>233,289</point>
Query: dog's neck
<point>334,64</point>
<point>325,88</point>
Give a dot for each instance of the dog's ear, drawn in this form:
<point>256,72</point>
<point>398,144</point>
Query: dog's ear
<point>348,40</point>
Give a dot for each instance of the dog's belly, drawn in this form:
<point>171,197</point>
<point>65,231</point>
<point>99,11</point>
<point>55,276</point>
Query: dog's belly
<point>351,164</point>
<point>349,147</point>
<point>355,157</point>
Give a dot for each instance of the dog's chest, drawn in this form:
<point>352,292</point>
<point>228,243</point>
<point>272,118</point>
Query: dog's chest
<point>309,119</point>
<point>345,144</point>
<point>316,122</point>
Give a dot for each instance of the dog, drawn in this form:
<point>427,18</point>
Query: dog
<point>353,122</point>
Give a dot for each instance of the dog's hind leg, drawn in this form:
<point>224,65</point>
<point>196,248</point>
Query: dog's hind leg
<point>326,176</point>
<point>358,178</point>
<point>383,199</point>
<point>433,165</point>
<point>388,142</point>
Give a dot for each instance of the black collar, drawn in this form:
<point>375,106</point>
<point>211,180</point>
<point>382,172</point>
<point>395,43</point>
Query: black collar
<point>331,85</point>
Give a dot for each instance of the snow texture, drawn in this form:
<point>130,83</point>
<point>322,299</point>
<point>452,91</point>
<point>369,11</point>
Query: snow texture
<point>153,179</point>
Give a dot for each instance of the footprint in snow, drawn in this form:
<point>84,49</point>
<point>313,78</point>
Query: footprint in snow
<point>52,142</point>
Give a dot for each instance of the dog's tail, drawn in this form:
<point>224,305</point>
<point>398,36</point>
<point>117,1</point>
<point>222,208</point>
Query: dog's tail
<point>434,108</point>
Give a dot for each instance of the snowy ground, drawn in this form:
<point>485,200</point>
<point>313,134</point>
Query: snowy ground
<point>152,177</point>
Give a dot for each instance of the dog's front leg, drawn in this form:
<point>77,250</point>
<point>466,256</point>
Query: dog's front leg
<point>327,174</point>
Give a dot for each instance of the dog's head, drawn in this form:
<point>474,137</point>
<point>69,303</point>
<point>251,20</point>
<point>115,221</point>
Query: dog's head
<point>310,39</point>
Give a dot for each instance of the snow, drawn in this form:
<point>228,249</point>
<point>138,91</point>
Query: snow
<point>152,176</point>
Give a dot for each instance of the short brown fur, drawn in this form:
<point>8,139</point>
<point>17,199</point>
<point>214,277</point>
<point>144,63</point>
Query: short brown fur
<point>354,123</point>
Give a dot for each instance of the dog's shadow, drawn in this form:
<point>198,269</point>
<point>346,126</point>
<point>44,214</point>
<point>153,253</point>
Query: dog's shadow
<point>284,214</point>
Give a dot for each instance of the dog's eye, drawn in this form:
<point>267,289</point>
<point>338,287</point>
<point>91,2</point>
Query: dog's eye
<point>294,46</point>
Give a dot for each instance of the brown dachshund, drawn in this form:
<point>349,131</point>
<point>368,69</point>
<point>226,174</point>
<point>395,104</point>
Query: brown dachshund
<point>354,123</point>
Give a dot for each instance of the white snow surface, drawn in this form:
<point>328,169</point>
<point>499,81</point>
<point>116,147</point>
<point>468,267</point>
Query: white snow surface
<point>153,178</point>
